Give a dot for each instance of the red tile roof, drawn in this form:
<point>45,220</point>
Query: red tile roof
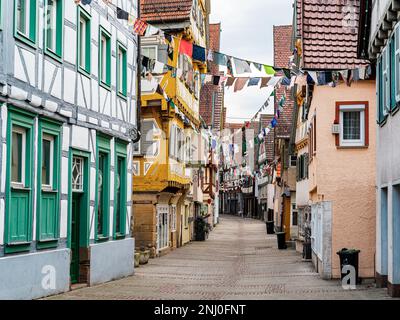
<point>160,11</point>
<point>329,32</point>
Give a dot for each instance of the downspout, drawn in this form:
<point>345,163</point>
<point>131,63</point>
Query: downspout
<point>139,84</point>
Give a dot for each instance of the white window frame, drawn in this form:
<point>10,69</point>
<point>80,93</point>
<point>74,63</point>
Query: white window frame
<point>103,56</point>
<point>82,42</point>
<point>173,218</point>
<point>22,131</point>
<point>49,138</point>
<point>153,135</point>
<point>51,16</point>
<point>26,18</point>
<point>353,108</point>
<point>150,48</point>
<point>82,174</point>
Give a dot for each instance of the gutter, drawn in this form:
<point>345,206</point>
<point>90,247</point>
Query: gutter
<point>139,84</point>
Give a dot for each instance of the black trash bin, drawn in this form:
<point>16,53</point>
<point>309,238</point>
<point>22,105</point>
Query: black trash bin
<point>200,229</point>
<point>281,236</point>
<point>307,250</point>
<point>270,227</point>
<point>349,257</point>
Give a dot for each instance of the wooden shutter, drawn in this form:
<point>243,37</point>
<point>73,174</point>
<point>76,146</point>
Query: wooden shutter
<point>396,61</point>
<point>306,163</point>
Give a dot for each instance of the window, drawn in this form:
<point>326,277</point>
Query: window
<point>120,190</point>
<point>293,161</point>
<point>295,215</point>
<point>103,187</point>
<point>77,174</point>
<point>84,35</point>
<point>25,20</point>
<point>177,143</point>
<point>302,167</point>
<point>353,124</point>
<point>48,197</point>
<point>150,143</point>
<point>54,28</point>
<point>105,57</point>
<point>18,198</point>
<point>47,160</point>
<point>18,151</point>
<point>150,52</point>
<point>173,218</point>
<point>122,70</point>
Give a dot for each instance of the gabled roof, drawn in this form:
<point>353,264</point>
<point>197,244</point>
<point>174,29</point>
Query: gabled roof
<point>161,11</point>
<point>329,33</point>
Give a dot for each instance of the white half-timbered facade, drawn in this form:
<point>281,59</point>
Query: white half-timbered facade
<point>68,122</point>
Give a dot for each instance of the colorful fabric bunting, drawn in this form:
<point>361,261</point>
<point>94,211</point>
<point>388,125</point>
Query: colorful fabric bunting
<point>210,55</point>
<point>264,82</point>
<point>241,66</point>
<point>240,84</point>
<point>186,47</point>
<point>199,53</point>
<point>269,70</point>
<point>122,14</point>
<point>253,82</point>
<point>140,27</point>
<point>230,81</point>
<point>220,59</point>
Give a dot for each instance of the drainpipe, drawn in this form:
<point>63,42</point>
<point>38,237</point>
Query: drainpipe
<point>139,84</point>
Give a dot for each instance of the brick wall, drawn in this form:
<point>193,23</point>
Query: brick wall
<point>212,97</point>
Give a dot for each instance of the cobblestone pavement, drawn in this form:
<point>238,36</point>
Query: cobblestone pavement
<point>238,261</point>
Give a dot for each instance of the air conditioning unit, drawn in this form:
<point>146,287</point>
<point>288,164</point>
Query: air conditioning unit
<point>336,129</point>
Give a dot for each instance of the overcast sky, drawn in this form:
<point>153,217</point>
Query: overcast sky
<point>247,32</point>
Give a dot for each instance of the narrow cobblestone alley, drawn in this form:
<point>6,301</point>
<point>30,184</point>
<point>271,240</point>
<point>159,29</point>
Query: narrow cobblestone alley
<point>239,261</point>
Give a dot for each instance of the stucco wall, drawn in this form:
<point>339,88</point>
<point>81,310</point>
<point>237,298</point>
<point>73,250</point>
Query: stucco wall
<point>29,276</point>
<point>347,176</point>
<point>111,260</point>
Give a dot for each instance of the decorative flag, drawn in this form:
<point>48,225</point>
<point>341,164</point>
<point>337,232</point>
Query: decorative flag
<point>140,27</point>
<point>210,55</point>
<point>220,59</point>
<point>229,66</point>
<point>274,123</point>
<point>269,70</point>
<point>222,80</point>
<point>258,66</point>
<point>241,66</point>
<point>274,81</point>
<point>230,81</point>
<point>199,53</point>
<point>186,47</point>
<point>264,82</point>
<point>122,14</point>
<point>253,82</point>
<point>286,81</point>
<point>313,76</point>
<point>158,68</point>
<point>216,80</point>
<point>151,31</point>
<point>240,84</point>
<point>209,78</point>
<point>203,79</point>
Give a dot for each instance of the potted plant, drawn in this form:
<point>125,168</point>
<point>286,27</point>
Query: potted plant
<point>144,255</point>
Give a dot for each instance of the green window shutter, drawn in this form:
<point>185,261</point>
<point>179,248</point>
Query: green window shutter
<point>102,202</point>
<point>48,195</point>
<point>18,211</point>
<point>392,70</point>
<point>307,162</point>
<point>120,206</point>
<point>297,170</point>
<point>396,62</point>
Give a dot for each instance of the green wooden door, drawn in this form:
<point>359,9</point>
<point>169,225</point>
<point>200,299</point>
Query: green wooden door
<point>76,204</point>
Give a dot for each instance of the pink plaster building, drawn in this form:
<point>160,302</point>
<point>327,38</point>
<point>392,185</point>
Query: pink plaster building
<point>339,140</point>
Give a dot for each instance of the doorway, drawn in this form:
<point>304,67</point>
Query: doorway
<point>79,227</point>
